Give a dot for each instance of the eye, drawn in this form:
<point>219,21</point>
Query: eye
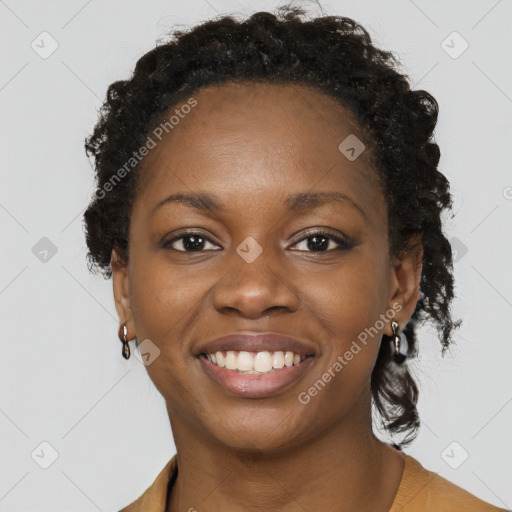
<point>316,241</point>
<point>189,242</point>
<point>321,241</point>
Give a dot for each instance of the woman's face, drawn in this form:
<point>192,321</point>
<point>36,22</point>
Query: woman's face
<point>262,152</point>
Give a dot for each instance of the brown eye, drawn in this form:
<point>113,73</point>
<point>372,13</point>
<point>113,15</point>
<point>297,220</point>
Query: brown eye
<point>323,242</point>
<point>189,242</point>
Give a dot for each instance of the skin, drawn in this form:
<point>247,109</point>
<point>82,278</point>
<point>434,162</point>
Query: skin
<point>253,145</point>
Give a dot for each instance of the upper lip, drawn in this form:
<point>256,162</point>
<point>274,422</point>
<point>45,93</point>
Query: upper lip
<point>270,342</point>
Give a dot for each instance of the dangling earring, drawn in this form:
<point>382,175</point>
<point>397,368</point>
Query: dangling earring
<point>399,358</point>
<point>123,331</point>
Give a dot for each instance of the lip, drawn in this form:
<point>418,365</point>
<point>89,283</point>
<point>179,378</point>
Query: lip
<point>254,386</point>
<point>260,342</point>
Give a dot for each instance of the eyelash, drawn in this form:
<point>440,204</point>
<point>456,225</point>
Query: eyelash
<point>343,244</point>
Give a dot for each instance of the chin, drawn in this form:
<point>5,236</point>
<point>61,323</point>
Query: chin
<point>262,433</point>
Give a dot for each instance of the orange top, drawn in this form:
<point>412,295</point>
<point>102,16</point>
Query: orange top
<point>420,490</point>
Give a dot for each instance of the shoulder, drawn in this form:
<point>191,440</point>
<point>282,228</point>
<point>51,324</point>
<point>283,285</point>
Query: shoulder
<point>154,498</point>
<point>422,490</point>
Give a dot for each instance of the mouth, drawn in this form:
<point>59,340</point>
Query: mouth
<point>255,363</point>
<point>252,365</point>
<point>250,342</point>
<point>254,374</point>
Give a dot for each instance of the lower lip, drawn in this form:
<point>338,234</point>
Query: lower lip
<point>255,386</point>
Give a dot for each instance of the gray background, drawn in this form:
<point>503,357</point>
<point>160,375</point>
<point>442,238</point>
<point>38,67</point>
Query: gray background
<point>63,379</point>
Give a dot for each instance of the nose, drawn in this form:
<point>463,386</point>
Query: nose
<point>253,290</point>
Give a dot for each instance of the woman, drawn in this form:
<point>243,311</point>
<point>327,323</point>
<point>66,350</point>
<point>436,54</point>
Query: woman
<point>268,205</point>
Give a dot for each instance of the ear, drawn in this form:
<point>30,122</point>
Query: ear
<point>121,285</point>
<point>405,283</point>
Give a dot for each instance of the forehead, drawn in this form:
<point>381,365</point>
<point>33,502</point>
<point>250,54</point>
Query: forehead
<point>257,137</point>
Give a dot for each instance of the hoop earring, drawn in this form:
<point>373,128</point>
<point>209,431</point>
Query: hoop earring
<point>399,358</point>
<point>123,331</point>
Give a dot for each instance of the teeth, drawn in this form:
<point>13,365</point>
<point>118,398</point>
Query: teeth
<point>244,361</point>
<point>263,362</point>
<point>255,362</point>
<point>220,359</point>
<point>230,360</point>
<point>278,360</point>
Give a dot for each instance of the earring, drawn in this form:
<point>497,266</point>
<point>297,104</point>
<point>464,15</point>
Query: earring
<point>399,358</point>
<point>123,331</point>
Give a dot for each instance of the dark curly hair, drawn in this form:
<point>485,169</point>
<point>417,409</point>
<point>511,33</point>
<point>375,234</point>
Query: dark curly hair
<point>335,55</point>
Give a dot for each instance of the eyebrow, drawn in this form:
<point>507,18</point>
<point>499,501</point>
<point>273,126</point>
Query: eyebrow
<point>295,203</point>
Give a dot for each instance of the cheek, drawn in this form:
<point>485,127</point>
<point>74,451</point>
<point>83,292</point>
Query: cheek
<point>350,296</point>
<point>348,306</point>
<point>164,303</point>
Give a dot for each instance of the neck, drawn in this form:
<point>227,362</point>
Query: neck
<point>345,465</point>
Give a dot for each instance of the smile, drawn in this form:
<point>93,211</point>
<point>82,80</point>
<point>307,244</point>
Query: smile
<point>258,378</point>
<point>254,363</point>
